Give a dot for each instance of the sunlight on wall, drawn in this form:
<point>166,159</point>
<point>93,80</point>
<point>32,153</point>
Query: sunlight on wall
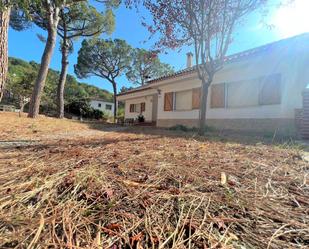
<point>292,19</point>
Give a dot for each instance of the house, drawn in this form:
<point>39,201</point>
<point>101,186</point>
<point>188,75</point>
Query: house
<point>102,105</point>
<point>260,89</point>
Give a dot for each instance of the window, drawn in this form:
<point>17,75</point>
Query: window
<point>168,101</point>
<point>270,90</point>
<point>243,93</point>
<point>196,98</point>
<point>99,105</point>
<point>108,107</point>
<point>183,100</point>
<point>217,99</point>
<point>131,107</point>
<point>137,107</point>
<point>253,92</point>
<point>143,107</point>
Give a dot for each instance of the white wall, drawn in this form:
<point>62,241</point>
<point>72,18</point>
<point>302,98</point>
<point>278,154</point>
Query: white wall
<point>148,108</point>
<point>95,104</point>
<point>291,62</point>
<point>293,66</point>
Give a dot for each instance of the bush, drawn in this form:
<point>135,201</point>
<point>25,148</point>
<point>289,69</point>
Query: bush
<point>141,118</point>
<point>187,129</point>
<point>179,128</point>
<point>82,108</point>
<point>120,112</point>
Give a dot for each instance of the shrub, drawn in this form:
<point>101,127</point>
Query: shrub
<point>141,118</point>
<point>179,128</point>
<point>82,108</point>
<point>193,129</point>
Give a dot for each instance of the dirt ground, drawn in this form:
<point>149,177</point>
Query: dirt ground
<point>65,184</point>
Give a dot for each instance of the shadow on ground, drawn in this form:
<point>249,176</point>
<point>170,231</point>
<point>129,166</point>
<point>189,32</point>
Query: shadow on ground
<point>224,136</point>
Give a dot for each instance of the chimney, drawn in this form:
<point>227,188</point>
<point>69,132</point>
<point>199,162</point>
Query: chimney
<point>189,59</point>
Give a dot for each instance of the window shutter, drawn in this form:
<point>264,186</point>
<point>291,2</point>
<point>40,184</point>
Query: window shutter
<point>217,96</point>
<point>196,98</point>
<point>131,107</point>
<point>270,90</point>
<point>168,101</point>
<point>143,107</point>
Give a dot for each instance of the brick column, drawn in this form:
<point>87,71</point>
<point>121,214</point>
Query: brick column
<point>305,116</point>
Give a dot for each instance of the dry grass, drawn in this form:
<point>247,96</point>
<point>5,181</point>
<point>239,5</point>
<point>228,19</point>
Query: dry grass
<point>12,127</point>
<point>126,190</point>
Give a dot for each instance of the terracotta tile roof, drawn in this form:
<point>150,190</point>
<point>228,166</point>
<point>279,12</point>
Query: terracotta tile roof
<point>229,59</point>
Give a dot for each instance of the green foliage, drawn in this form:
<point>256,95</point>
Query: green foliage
<point>146,66</point>
<point>141,118</point>
<point>120,112</point>
<point>188,129</point>
<point>74,91</point>
<point>21,80</point>
<point>81,19</point>
<point>82,108</point>
<point>18,20</point>
<point>125,89</point>
<point>108,59</point>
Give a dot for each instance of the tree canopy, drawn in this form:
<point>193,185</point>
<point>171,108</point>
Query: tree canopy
<point>207,25</point>
<point>145,66</point>
<point>107,59</point>
<point>74,90</point>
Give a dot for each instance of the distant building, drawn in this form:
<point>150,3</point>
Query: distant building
<point>102,105</point>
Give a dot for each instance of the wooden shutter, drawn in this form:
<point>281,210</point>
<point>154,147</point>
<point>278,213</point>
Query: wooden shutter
<point>270,90</point>
<point>143,107</point>
<point>196,98</point>
<point>131,107</point>
<point>217,98</point>
<point>168,101</point>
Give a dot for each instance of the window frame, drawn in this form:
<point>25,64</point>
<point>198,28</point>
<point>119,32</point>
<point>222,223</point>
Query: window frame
<point>143,107</point>
<point>172,104</point>
<point>175,101</point>
<point>197,90</point>
<point>262,83</point>
<point>224,96</point>
<point>259,79</point>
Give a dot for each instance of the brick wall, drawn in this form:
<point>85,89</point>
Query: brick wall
<point>305,116</point>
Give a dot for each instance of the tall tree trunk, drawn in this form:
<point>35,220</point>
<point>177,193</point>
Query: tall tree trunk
<point>45,62</point>
<point>62,79</point>
<point>4,28</point>
<point>203,108</point>
<point>115,101</point>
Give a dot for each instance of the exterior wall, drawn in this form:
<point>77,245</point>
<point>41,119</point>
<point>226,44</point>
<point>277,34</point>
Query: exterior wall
<point>278,126</point>
<point>95,104</point>
<point>148,108</point>
<point>291,61</point>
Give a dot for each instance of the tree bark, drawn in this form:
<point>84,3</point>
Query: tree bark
<point>4,28</point>
<point>45,62</point>
<point>62,79</point>
<point>115,101</point>
<point>203,108</point>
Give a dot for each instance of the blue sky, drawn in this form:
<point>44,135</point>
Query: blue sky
<point>27,46</point>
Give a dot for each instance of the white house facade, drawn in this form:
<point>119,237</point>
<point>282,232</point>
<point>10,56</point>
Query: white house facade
<point>259,89</point>
<point>102,105</point>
